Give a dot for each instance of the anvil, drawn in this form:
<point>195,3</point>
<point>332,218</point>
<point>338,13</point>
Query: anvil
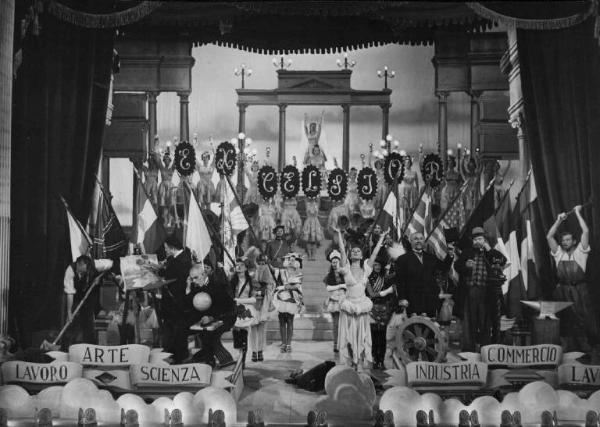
<point>548,309</point>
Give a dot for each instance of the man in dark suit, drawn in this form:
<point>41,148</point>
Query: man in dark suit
<point>221,308</point>
<point>416,277</point>
<point>480,270</point>
<point>176,267</point>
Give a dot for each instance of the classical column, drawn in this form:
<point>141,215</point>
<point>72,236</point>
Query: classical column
<point>7,16</point>
<point>184,119</point>
<point>346,138</point>
<point>281,157</point>
<point>152,121</point>
<point>475,110</point>
<point>518,122</point>
<point>443,125</point>
<point>242,118</point>
<point>385,120</point>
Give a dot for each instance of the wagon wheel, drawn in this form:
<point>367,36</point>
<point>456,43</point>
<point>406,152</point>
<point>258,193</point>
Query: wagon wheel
<point>420,339</point>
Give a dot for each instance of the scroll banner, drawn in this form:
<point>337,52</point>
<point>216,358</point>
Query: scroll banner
<point>127,367</point>
<point>40,373</point>
<point>579,375</point>
<point>430,373</point>
<point>522,356</point>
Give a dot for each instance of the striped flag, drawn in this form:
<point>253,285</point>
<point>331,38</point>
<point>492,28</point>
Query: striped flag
<point>388,217</point>
<point>437,240</point>
<point>234,222</point>
<point>421,218</point>
<point>80,240</point>
<point>151,233</point>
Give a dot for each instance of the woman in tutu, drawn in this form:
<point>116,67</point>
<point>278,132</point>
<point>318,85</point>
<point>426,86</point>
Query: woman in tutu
<point>355,332</point>
<point>290,219</point>
<point>288,298</point>
<point>263,287</point>
<point>337,292</point>
<point>167,191</point>
<point>205,189</point>
<point>351,200</point>
<point>382,187</point>
<point>266,220</point>
<point>380,290</point>
<point>312,233</point>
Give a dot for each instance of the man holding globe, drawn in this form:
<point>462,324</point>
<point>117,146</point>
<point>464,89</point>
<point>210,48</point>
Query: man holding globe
<point>209,303</point>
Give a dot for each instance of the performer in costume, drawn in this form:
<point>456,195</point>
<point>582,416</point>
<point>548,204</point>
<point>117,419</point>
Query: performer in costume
<point>367,209</point>
<point>351,200</point>
<point>355,332</point>
<point>263,287</point>
<point>241,289</point>
<point>290,219</point>
<point>288,298</point>
<point>380,290</point>
<point>79,277</point>
<point>477,268</point>
<point>408,188</point>
<point>174,328</point>
<point>334,215</point>
<point>252,195</point>
<point>221,308</point>
<point>312,233</point>
<point>578,322</point>
<point>166,190</point>
<point>334,281</point>
<point>151,172</point>
<point>205,189</point>
<point>266,220</point>
<point>382,187</point>
<point>277,249</point>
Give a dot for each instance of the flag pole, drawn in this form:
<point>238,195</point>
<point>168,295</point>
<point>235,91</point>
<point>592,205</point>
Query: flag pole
<point>414,209</point>
<point>87,236</point>
<point>209,225</point>
<point>524,184</point>
<point>450,206</point>
<point>505,197</point>
<point>372,226</point>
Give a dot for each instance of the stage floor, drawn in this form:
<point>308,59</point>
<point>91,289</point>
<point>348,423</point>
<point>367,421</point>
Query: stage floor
<point>265,386</point>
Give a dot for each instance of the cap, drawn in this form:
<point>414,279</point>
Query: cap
<point>477,231</point>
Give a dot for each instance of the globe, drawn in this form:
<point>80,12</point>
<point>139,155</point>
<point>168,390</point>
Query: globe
<point>202,301</point>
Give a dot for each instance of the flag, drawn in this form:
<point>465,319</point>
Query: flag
<point>388,218</point>
<point>80,240</point>
<point>234,221</point>
<point>110,240</point>
<point>421,218</point>
<point>531,238</point>
<point>456,215</point>
<point>483,216</point>
<point>437,240</point>
<point>151,233</point>
<point>197,237</point>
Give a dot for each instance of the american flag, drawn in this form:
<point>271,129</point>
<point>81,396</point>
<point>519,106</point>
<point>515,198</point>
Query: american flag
<point>437,240</point>
<point>420,221</point>
<point>456,216</point>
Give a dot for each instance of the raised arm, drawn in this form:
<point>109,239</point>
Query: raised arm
<point>585,231</point>
<point>550,236</point>
<point>344,259</point>
<point>377,248</point>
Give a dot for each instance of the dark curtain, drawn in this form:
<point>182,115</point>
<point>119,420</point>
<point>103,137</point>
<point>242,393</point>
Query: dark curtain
<point>560,75</point>
<point>59,110</point>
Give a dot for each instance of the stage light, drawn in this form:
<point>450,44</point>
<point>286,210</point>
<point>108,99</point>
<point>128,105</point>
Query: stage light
<point>241,135</point>
<point>382,143</point>
<point>388,137</point>
<point>396,143</point>
<point>233,141</point>
<point>450,151</point>
<point>459,146</point>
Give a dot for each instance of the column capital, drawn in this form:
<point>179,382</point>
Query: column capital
<point>152,95</point>
<point>385,107</point>
<point>475,95</point>
<point>282,107</point>
<point>345,107</point>
<point>183,96</point>
<point>242,107</point>
<point>517,121</point>
<point>442,96</point>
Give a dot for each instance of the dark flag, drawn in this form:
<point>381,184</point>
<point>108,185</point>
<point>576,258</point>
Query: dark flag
<point>110,240</point>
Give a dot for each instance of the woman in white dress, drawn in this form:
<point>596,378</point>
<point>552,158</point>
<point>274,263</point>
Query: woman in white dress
<point>354,335</point>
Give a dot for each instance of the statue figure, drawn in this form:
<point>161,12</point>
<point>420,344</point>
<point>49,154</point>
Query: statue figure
<point>499,189</point>
<point>252,195</point>
<point>205,189</point>
<point>167,191</point>
<point>470,169</point>
<point>408,188</point>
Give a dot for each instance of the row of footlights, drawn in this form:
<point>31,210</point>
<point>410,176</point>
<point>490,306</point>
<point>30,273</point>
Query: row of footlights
<point>43,418</point>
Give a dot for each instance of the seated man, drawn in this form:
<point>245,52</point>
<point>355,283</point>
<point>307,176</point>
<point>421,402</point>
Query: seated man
<point>221,308</point>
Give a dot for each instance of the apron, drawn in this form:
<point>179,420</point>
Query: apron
<point>579,319</point>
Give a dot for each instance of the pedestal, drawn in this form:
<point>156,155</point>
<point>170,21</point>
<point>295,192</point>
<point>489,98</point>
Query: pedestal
<point>545,331</point>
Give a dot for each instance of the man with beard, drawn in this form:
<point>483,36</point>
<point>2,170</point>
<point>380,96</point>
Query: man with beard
<point>577,322</point>
<point>416,277</point>
<point>220,313</point>
<point>176,268</point>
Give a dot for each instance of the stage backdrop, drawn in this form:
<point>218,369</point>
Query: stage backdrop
<point>560,71</point>
<point>60,100</point>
